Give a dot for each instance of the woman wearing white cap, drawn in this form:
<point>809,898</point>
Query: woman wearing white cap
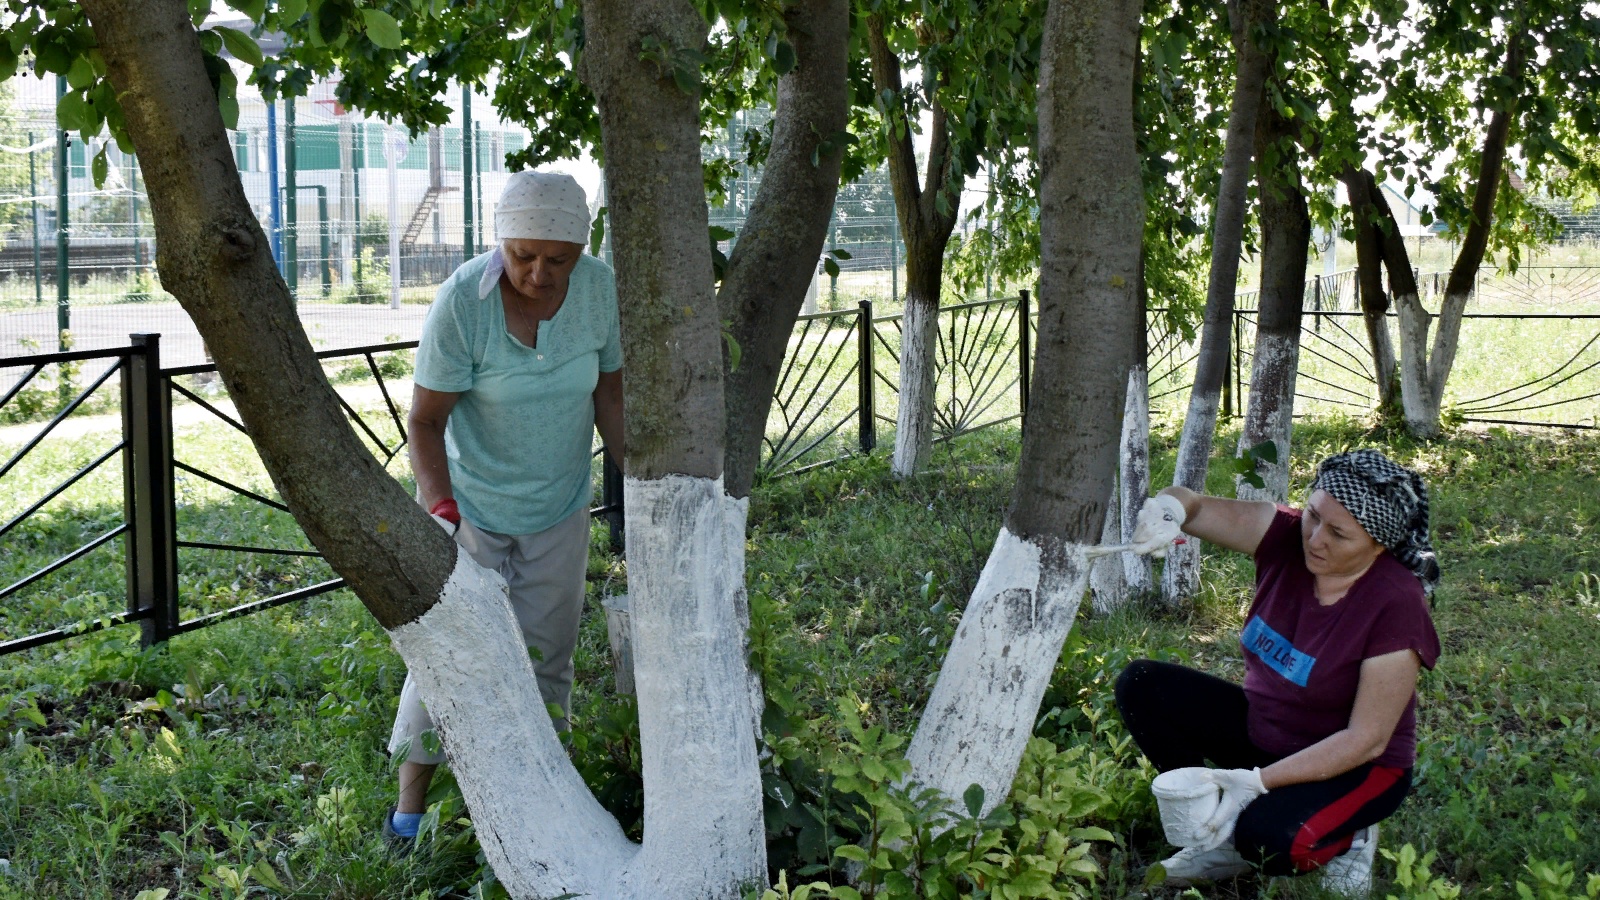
<point>520,360</point>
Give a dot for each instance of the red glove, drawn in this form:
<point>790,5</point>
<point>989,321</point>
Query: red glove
<point>447,510</point>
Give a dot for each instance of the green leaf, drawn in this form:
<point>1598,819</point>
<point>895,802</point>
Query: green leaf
<point>597,232</point>
<point>852,853</point>
<point>328,18</point>
<point>291,11</point>
<point>840,254</point>
<point>53,57</point>
<point>973,798</point>
<point>831,267</point>
<point>240,45</point>
<point>73,112</point>
<point>735,353</point>
<point>718,233</point>
<point>255,10</point>
<point>100,167</point>
<point>80,74</point>
<point>783,58</point>
<point>198,11</point>
<point>382,29</point>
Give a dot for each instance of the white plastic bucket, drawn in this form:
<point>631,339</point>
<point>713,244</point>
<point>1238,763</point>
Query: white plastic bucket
<point>1186,799</point>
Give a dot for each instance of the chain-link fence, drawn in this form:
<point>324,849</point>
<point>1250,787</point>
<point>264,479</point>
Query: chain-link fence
<point>364,220</point>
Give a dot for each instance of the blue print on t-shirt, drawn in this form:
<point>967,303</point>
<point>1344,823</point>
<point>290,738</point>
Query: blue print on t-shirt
<point>1276,651</point>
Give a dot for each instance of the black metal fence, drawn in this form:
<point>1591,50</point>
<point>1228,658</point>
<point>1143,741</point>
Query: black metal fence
<point>838,382</point>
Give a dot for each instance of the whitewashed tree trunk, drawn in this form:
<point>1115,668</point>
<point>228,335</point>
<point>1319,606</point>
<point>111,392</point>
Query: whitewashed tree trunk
<point>1134,476</point>
<point>1180,577</point>
<point>1108,587</point>
<point>1416,393</point>
<point>913,440</point>
<point>1271,413</point>
<point>703,829</point>
<point>982,710</point>
<point>540,827</point>
<point>1116,579</point>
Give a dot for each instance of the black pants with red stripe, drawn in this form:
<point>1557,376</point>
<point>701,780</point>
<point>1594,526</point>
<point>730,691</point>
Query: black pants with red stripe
<point>1180,717</point>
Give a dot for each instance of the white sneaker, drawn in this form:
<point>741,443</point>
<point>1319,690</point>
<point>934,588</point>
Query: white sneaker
<point>1193,864</point>
<point>1350,873</point>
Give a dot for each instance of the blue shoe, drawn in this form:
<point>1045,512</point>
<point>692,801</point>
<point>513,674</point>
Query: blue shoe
<point>399,843</point>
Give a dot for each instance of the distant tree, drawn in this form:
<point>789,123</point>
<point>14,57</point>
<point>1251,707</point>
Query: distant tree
<point>977,73</point>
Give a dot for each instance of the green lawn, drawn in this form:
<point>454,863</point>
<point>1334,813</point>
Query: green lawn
<point>249,756</point>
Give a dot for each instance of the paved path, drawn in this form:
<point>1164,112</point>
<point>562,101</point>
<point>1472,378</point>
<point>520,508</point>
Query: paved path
<point>184,413</point>
<point>102,326</point>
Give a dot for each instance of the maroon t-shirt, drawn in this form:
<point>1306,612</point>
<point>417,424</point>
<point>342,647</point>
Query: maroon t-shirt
<point>1303,659</point>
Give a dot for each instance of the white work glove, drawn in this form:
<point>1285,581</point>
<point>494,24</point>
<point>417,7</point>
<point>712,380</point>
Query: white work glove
<point>1160,523</point>
<point>1239,788</point>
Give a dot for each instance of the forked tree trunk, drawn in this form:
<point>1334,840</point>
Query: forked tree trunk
<point>1091,217</point>
<point>1372,215</point>
<point>1424,375</point>
<point>1181,576</point>
<point>925,225</point>
<point>775,260</point>
<point>449,618</point>
<point>1285,240</point>
<point>703,829</point>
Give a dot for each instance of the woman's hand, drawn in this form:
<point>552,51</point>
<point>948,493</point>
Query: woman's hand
<point>1239,788</point>
<point>1160,523</point>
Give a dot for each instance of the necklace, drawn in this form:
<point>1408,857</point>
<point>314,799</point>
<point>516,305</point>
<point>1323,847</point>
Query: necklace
<point>533,328</point>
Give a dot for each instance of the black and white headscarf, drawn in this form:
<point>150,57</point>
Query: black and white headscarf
<point>1391,503</point>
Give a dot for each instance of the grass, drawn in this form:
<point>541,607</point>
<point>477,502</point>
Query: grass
<point>251,753</point>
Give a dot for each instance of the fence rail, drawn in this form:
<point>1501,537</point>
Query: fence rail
<point>836,385</point>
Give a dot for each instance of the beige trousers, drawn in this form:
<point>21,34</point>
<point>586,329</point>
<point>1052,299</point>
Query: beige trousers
<point>545,572</point>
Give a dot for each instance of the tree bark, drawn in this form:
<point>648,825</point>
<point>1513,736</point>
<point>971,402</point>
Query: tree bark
<point>925,229</point>
<point>1091,215</point>
<point>703,830</point>
<point>450,619</point>
<point>1363,193</point>
<point>1181,576</point>
<point>1285,240</point>
<point>776,257</point>
<point>214,257</point>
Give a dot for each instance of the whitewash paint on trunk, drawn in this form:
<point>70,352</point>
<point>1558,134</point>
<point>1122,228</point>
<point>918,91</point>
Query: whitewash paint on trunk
<point>540,827</point>
<point>1180,577</point>
<point>1271,413</point>
<point>981,713</point>
<point>1416,395</point>
<point>703,827</point>
<point>1108,589</point>
<point>1134,477</point>
<point>913,442</point>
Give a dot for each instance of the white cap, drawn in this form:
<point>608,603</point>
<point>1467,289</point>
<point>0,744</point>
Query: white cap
<point>542,206</point>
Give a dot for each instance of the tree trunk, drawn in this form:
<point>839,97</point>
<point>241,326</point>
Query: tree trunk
<point>1117,579</point>
<point>1423,376</point>
<point>450,619</point>
<point>926,222</point>
<point>1362,190</point>
<point>919,338</point>
<point>1091,216</point>
<point>775,260</point>
<point>1181,576</point>
<point>1285,240</point>
<point>703,829</point>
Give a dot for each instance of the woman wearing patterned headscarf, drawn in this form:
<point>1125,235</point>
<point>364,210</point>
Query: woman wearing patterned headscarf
<point>520,361</point>
<point>1318,744</point>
